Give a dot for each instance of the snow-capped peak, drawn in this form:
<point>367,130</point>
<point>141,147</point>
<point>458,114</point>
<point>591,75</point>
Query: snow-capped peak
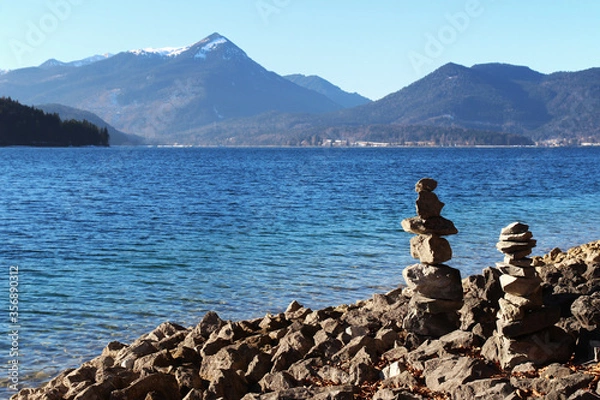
<point>210,46</point>
<point>163,52</point>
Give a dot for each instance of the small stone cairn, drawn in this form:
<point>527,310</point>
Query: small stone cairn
<point>525,326</point>
<point>435,289</point>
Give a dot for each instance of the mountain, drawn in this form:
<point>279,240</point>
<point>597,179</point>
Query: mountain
<point>166,94</point>
<point>334,93</point>
<point>79,63</point>
<point>496,104</point>
<point>21,125</point>
<point>116,137</point>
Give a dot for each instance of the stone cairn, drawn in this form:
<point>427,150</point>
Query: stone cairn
<point>435,289</point>
<point>525,326</point>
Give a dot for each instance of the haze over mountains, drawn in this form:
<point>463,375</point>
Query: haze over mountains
<point>212,93</point>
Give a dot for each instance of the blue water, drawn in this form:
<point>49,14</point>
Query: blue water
<point>112,242</point>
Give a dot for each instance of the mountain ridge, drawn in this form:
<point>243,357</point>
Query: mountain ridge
<point>211,93</point>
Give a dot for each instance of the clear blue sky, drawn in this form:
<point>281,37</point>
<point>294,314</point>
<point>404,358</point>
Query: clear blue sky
<point>373,48</point>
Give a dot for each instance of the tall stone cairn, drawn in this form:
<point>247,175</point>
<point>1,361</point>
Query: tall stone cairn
<point>525,326</point>
<point>435,289</point>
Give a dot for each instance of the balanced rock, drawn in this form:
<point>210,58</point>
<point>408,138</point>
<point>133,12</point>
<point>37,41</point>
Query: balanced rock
<point>434,281</point>
<point>430,249</point>
<point>426,185</point>
<point>428,205</point>
<point>434,225</point>
<point>514,228</point>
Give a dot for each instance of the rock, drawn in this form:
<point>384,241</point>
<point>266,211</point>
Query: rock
<point>434,281</point>
<point>227,384</point>
<point>430,249</point>
<point>434,306</point>
<point>586,309</point>
<point>516,237</point>
<point>435,325</point>
<point>447,374</point>
<point>434,225</point>
<point>518,271</point>
<point>531,321</point>
<point>483,389</point>
<point>520,286</point>
<point>164,384</point>
<point>209,324</point>
<point>516,247</point>
<point>426,185</point>
<point>549,345</point>
<point>428,205</point>
<point>277,381</point>
<point>514,228</point>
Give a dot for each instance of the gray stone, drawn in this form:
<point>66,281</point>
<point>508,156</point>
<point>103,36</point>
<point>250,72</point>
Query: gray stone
<point>516,237</point>
<point>161,383</point>
<point>518,262</point>
<point>586,309</point>
<point>545,346</point>
<point>434,306</point>
<point>435,225</point>
<point>434,281</point>
<point>426,185</point>
<point>434,325</point>
<point>520,286</point>
<point>227,384</point>
<point>531,321</point>
<point>428,205</point>
<point>514,270</point>
<point>530,302</point>
<point>430,249</point>
<point>514,228</point>
<point>484,389</point>
<point>516,247</point>
<point>447,374</point>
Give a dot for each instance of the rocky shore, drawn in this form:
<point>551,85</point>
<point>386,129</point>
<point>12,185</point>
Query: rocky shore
<point>361,351</point>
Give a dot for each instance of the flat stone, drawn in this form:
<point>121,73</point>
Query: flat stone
<point>517,237</point>
<point>515,247</point>
<point>519,286</point>
<point>532,321</point>
<point>426,185</point>
<point>513,270</point>
<point>517,262</point>
<point>434,281</point>
<point>428,205</point>
<point>435,225</point>
<point>430,249</point>
<point>534,300</point>
<point>434,306</point>
<point>515,227</point>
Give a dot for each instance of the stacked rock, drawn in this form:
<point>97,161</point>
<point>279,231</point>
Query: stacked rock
<point>525,326</point>
<point>521,310</point>
<point>435,289</point>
